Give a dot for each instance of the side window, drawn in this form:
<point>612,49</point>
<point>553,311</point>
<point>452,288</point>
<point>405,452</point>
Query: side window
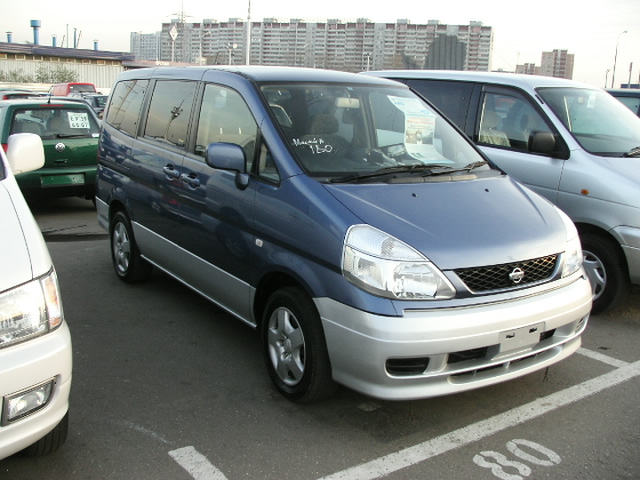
<point>224,117</point>
<point>452,98</point>
<point>169,112</point>
<point>508,121</point>
<point>126,101</point>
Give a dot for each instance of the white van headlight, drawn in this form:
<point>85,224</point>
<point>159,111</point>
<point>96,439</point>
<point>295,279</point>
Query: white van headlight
<point>30,310</point>
<point>572,257</point>
<point>383,265</point>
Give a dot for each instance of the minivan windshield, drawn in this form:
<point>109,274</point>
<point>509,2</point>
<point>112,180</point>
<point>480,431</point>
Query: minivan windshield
<point>600,123</point>
<point>356,131</point>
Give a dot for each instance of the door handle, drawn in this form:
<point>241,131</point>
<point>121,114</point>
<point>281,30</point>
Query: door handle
<point>170,171</point>
<point>190,179</point>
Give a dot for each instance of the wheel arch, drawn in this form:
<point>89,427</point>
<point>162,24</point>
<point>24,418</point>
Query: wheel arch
<point>270,283</point>
<point>587,228</point>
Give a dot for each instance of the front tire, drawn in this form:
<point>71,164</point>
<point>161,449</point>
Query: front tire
<point>127,262</point>
<point>52,441</point>
<point>607,271</point>
<point>294,347</point>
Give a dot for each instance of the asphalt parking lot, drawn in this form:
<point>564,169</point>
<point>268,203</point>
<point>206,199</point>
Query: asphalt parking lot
<point>167,386</point>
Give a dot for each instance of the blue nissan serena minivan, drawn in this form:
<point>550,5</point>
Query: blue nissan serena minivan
<point>368,242</point>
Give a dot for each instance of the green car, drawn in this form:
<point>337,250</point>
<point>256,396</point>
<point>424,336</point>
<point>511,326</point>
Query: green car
<point>69,132</point>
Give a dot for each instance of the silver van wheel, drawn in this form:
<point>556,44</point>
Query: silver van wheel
<point>596,273</point>
<point>607,270</point>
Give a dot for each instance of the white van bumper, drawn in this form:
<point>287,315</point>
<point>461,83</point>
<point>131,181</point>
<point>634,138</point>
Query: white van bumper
<point>43,361</point>
<point>441,351</point>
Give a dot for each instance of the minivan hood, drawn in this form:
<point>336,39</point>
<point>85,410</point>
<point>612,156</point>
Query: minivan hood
<point>23,250</point>
<point>461,224</point>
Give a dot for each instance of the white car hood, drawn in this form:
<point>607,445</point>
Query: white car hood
<point>23,251</point>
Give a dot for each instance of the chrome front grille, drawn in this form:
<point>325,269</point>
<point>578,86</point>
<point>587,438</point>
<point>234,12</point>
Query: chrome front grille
<point>508,275</point>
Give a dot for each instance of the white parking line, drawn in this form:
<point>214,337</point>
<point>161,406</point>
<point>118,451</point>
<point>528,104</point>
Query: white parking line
<point>602,358</point>
<point>472,433</point>
<point>196,464</point>
<point>199,467</point>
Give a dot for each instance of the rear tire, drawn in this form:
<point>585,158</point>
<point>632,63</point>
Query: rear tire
<point>294,347</point>
<point>52,441</point>
<point>127,262</point>
<point>607,271</point>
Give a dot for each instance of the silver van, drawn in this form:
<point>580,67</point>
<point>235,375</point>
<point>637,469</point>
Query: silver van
<point>573,143</point>
<point>366,240</point>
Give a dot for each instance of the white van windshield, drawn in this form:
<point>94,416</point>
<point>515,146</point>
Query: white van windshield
<point>600,123</point>
<point>337,130</point>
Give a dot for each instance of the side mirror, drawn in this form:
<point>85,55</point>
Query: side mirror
<point>25,152</point>
<point>542,142</point>
<point>229,156</point>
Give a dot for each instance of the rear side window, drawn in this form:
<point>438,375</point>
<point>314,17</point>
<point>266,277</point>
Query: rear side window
<point>126,101</point>
<point>452,98</point>
<point>170,111</point>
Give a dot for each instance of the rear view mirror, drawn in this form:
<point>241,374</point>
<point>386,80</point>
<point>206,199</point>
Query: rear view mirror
<point>347,102</point>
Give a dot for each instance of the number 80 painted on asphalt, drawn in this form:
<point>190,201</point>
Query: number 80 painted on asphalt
<point>497,467</point>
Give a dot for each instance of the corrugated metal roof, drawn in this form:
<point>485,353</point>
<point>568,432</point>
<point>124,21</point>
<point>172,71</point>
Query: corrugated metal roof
<point>31,49</point>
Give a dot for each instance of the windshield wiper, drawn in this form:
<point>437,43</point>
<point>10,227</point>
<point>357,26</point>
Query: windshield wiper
<point>634,152</point>
<point>352,177</point>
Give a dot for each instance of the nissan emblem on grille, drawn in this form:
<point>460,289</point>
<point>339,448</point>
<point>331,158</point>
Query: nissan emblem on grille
<point>516,275</point>
<point>60,147</point>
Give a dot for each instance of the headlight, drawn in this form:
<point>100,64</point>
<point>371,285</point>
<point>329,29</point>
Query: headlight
<point>572,257</point>
<point>383,265</point>
<point>30,310</point>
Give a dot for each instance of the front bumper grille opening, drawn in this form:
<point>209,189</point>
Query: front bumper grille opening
<point>473,354</point>
<point>405,367</point>
<point>508,275</point>
<point>547,334</point>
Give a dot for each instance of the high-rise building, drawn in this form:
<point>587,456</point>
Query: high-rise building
<point>333,44</point>
<point>558,63</point>
<point>145,46</point>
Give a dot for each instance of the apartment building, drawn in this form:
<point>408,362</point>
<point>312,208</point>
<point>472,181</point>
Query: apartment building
<point>333,44</point>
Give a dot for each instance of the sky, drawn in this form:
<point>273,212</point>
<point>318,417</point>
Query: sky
<point>591,29</point>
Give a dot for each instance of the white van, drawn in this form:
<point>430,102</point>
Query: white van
<point>35,344</point>
<point>573,143</point>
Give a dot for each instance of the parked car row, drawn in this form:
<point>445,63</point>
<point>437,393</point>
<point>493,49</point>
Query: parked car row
<point>572,143</point>
<point>371,241</point>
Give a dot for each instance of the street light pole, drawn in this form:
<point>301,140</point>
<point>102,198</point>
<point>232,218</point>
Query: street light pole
<point>615,59</point>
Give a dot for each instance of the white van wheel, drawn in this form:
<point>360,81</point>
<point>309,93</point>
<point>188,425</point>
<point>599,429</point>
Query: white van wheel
<point>52,441</point>
<point>127,262</point>
<point>294,347</point>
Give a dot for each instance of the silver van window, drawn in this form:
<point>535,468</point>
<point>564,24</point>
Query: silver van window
<point>600,123</point>
<point>508,121</point>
